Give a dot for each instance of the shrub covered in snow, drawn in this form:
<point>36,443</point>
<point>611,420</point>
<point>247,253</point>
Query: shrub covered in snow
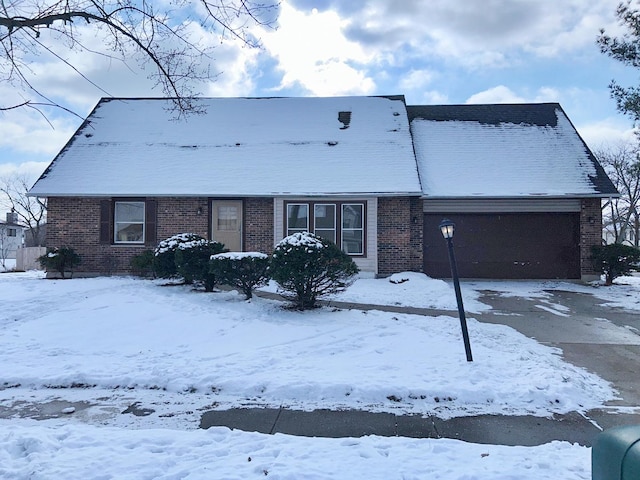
<point>61,260</point>
<point>243,270</point>
<point>192,261</point>
<point>307,267</point>
<point>615,260</point>
<point>164,262</point>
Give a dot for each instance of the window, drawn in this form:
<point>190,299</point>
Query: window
<point>341,223</point>
<point>297,218</point>
<point>353,228</point>
<point>128,222</point>
<point>228,218</point>
<point>12,232</point>
<point>324,220</point>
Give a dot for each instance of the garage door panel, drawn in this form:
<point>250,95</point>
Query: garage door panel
<point>505,246</point>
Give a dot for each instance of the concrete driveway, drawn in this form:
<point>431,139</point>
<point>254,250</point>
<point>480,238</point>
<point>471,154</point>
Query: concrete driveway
<point>601,339</point>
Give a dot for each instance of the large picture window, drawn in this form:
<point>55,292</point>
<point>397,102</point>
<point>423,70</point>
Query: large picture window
<point>341,223</point>
<point>128,222</point>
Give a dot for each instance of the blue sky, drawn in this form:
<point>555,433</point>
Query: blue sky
<point>432,51</point>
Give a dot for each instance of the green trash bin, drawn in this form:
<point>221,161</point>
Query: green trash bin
<point>615,454</point>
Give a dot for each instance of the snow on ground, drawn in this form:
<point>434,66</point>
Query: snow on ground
<point>126,333</point>
<point>624,293</point>
<point>9,265</point>
<point>87,452</point>
<point>125,341</point>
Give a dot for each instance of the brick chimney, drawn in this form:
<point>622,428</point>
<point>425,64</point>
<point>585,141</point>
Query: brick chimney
<point>12,217</point>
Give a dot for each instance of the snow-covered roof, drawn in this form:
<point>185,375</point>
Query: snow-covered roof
<point>503,151</point>
<point>239,147</point>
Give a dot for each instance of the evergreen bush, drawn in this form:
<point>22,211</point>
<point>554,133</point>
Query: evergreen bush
<point>164,261</point>
<point>192,261</point>
<point>243,270</point>
<point>61,260</point>
<point>306,267</point>
<point>615,260</point>
<point>142,264</point>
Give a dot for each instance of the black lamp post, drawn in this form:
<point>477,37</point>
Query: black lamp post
<point>447,228</point>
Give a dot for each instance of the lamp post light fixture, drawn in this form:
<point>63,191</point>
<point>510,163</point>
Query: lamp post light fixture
<point>447,227</point>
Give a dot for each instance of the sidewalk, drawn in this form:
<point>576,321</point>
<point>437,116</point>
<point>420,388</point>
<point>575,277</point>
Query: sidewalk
<point>485,429</point>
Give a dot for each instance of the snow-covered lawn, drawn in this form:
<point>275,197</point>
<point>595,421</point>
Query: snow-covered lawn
<point>9,265</point>
<point>180,352</point>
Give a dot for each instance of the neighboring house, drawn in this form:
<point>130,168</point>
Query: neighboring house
<point>11,237</point>
<point>609,235</point>
<point>369,173</point>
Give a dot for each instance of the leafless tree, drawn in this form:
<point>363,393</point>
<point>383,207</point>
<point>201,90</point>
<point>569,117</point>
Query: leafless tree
<point>31,211</point>
<point>622,163</point>
<point>4,249</point>
<point>160,38</point>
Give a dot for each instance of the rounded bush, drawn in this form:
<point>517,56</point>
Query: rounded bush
<point>615,260</point>
<point>243,270</point>
<point>192,261</point>
<point>164,262</point>
<point>306,267</point>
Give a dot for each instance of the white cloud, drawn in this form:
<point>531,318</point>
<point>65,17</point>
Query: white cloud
<point>27,130</point>
<point>499,94</point>
<point>606,132</point>
<point>416,79</point>
<point>491,33</point>
<point>29,170</point>
<point>314,54</point>
<point>503,94</point>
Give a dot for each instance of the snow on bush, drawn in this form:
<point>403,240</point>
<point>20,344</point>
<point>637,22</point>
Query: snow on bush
<point>164,264</point>
<point>192,261</point>
<point>306,267</point>
<point>61,260</point>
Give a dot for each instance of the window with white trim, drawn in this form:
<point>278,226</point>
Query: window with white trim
<point>341,223</point>
<point>12,232</point>
<point>128,222</point>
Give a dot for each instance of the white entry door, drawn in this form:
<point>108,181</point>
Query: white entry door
<point>226,224</point>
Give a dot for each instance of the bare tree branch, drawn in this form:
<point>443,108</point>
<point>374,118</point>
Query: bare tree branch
<point>30,210</point>
<point>622,164</point>
<point>159,38</point>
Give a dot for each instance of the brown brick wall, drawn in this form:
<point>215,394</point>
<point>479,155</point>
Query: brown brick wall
<point>75,222</point>
<point>590,234</point>
<point>399,235</point>
<point>180,215</point>
<point>258,225</point>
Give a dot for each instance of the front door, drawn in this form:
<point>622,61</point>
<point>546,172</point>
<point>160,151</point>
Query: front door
<point>226,223</point>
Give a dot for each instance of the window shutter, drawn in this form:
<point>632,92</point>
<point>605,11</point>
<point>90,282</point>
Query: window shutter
<point>150,223</point>
<point>105,221</point>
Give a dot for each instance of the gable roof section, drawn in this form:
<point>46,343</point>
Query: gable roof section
<point>239,147</point>
<point>503,150</point>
